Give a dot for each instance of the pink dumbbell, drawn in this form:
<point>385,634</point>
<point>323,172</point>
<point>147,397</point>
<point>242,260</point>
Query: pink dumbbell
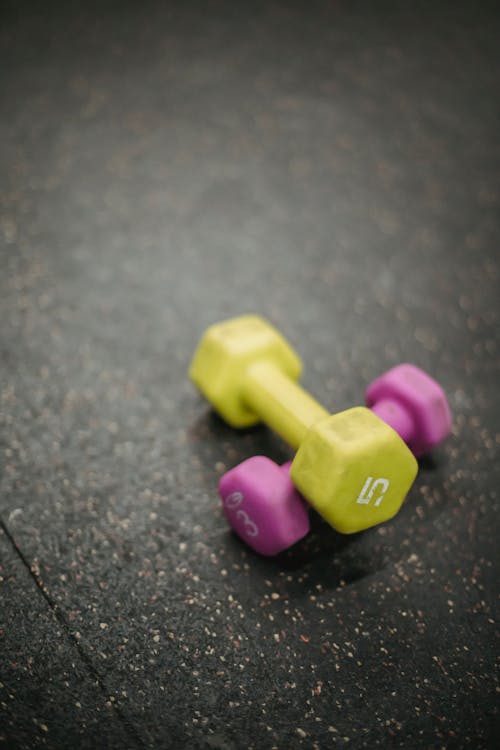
<point>258,497</point>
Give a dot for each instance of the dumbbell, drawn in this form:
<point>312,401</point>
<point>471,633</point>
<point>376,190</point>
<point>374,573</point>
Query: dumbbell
<point>259,498</point>
<point>352,467</point>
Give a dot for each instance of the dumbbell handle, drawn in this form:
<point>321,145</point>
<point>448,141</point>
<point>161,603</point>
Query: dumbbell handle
<point>290,411</point>
<point>280,402</point>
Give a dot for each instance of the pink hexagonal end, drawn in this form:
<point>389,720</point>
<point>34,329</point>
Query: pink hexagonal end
<point>262,505</point>
<point>428,418</point>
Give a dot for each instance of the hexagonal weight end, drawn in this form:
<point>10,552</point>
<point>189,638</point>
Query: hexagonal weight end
<point>422,396</point>
<point>262,505</point>
<point>354,469</point>
<point>224,355</point>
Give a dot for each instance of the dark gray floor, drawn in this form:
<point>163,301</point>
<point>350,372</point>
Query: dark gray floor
<point>334,167</point>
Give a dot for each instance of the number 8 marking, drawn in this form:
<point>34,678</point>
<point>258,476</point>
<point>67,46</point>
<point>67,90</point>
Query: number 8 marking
<point>250,527</point>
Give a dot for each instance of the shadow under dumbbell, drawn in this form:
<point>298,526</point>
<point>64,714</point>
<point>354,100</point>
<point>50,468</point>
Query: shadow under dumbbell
<point>428,463</point>
<point>324,560</point>
<point>338,565</point>
<point>210,425</point>
<point>324,557</point>
<point>257,440</point>
<point>322,543</point>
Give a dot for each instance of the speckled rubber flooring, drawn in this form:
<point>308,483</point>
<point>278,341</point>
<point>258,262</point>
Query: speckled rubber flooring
<point>335,167</point>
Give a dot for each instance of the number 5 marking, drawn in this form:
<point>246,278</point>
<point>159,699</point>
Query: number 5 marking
<point>369,488</point>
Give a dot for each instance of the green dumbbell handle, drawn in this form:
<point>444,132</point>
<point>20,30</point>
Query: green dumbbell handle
<point>280,402</point>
